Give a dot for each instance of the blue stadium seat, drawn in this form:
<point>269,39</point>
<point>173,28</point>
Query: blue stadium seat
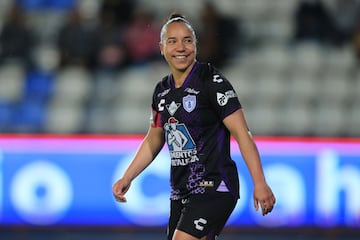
<point>30,116</point>
<point>6,114</point>
<point>47,4</point>
<point>39,85</point>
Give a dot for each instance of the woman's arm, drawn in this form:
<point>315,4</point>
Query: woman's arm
<point>238,128</point>
<point>148,150</point>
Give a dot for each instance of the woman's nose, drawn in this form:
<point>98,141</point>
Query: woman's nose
<point>180,46</point>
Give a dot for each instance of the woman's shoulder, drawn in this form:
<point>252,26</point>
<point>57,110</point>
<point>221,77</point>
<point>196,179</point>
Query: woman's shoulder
<point>162,85</point>
<point>209,72</point>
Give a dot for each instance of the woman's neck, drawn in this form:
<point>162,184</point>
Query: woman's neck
<point>180,76</point>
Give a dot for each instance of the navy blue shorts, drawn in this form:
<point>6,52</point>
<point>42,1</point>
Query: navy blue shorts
<point>201,215</point>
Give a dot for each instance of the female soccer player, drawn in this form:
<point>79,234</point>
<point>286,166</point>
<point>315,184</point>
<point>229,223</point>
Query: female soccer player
<point>194,111</point>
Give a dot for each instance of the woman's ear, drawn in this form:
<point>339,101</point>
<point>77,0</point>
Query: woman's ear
<point>161,49</point>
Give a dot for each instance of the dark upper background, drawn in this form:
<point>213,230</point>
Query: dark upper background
<point>79,66</point>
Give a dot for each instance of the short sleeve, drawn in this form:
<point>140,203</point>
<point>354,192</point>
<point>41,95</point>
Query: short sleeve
<point>222,95</point>
<point>155,119</point>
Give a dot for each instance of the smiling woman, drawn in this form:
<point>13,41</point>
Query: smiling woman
<point>195,109</point>
<point>178,46</point>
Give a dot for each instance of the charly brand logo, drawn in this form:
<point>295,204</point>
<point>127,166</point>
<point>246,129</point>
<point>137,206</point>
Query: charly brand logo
<point>199,224</point>
<point>161,105</point>
<point>217,79</point>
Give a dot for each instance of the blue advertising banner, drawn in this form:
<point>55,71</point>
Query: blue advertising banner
<point>56,180</point>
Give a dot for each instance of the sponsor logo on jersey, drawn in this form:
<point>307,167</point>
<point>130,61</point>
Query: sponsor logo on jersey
<point>163,93</point>
<point>223,98</point>
<point>189,103</point>
<point>181,145</point>
<point>172,107</point>
<point>206,184</point>
<point>192,91</point>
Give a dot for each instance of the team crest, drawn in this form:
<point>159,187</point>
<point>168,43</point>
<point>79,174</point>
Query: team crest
<point>189,102</point>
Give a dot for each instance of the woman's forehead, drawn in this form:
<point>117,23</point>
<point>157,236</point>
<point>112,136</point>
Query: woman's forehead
<point>178,28</point>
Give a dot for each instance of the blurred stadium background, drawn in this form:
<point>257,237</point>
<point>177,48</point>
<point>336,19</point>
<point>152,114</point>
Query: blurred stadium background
<point>89,67</point>
<point>73,70</point>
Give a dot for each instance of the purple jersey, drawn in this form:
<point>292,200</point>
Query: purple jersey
<point>198,141</point>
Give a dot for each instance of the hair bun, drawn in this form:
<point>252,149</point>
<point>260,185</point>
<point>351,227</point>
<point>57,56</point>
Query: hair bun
<point>176,15</point>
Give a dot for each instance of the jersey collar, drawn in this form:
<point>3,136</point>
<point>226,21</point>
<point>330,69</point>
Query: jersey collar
<point>187,79</point>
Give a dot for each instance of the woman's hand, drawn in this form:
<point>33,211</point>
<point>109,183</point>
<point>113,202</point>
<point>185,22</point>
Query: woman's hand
<point>264,197</point>
<point>120,188</point>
